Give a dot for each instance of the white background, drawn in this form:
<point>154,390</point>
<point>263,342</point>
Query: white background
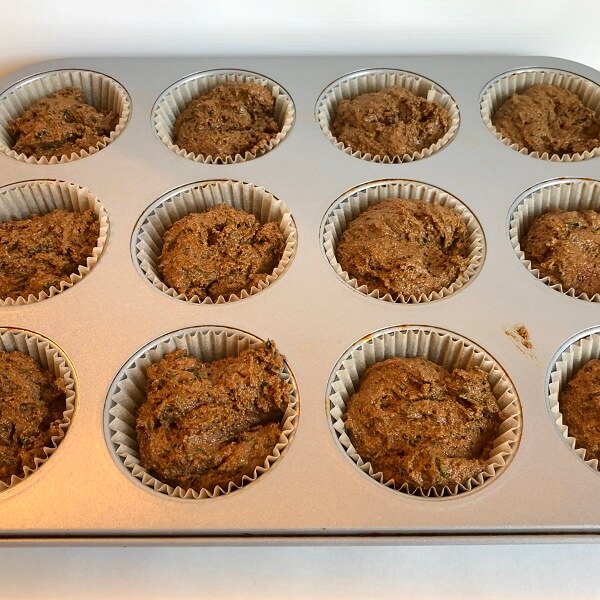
<point>33,30</point>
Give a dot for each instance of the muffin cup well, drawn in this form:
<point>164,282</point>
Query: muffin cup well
<point>101,91</point>
<point>349,206</point>
<point>564,194</point>
<point>446,349</point>
<point>41,197</point>
<point>128,391</point>
<point>575,355</point>
<point>374,80</point>
<point>147,243</point>
<point>50,358</point>
<point>175,99</point>
<point>499,90</point>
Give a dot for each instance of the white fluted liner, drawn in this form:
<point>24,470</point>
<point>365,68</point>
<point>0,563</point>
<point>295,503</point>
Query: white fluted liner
<point>500,90</point>
<point>128,392</point>
<point>448,350</point>
<point>52,359</point>
<point>351,205</point>
<point>101,91</point>
<point>575,355</point>
<point>375,80</point>
<point>41,197</point>
<point>567,194</point>
<point>199,198</point>
<point>175,99</point>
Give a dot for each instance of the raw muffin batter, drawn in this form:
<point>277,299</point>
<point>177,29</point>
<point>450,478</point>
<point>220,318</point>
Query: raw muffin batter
<point>219,252</point>
<point>233,118</point>
<point>32,403</point>
<point>546,118</point>
<point>421,425</point>
<point>580,409</point>
<point>41,251</point>
<point>565,247</point>
<point>405,247</point>
<point>205,424</point>
<point>61,123</point>
<point>390,122</point>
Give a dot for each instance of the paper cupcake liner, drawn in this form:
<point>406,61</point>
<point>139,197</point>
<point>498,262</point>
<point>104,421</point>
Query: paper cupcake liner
<point>446,349</point>
<point>374,80</point>
<point>41,197</point>
<point>101,91</point>
<point>50,358</point>
<point>128,392</point>
<point>175,99</point>
<point>349,206</point>
<point>199,197</point>
<point>574,356</point>
<point>564,194</point>
<point>500,89</point>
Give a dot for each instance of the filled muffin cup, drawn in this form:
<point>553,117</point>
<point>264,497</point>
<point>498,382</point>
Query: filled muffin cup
<point>564,194</point>
<point>101,91</point>
<point>147,243</point>
<point>350,205</point>
<point>374,80</point>
<point>52,359</point>
<point>447,349</point>
<point>499,90</point>
<point>40,197</point>
<point>574,355</point>
<point>128,392</point>
<point>176,98</point>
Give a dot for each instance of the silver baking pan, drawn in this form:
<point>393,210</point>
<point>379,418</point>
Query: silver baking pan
<point>314,492</point>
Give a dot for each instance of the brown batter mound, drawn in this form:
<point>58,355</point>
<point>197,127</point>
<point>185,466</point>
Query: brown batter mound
<point>32,403</point>
<point>219,252</point>
<point>565,247</point>
<point>391,122</point>
<point>580,408</point>
<point>233,118</point>
<point>546,118</point>
<point>206,424</point>
<point>41,251</point>
<point>421,425</point>
<point>62,123</point>
<point>406,247</point>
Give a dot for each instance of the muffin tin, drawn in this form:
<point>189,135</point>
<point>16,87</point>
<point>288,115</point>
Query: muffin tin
<point>314,491</point>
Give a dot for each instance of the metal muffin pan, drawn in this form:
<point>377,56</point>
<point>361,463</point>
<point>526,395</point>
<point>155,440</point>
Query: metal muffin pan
<point>315,492</point>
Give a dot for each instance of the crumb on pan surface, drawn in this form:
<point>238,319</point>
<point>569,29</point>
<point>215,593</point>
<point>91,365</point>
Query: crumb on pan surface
<point>390,122</point>
<point>421,425</point>
<point>39,252</point>
<point>580,408</point>
<point>219,252</point>
<point>60,124</point>
<point>406,247</point>
<point>230,119</point>
<point>32,402</point>
<point>565,247</point>
<point>205,424</point>
<point>547,118</point>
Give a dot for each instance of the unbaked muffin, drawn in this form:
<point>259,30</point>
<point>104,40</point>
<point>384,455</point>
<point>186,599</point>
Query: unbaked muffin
<point>405,247</point>
<point>422,425</point>
<point>205,424</point>
<point>230,119</point>
<point>61,124</point>
<point>580,408</point>
<point>32,402</point>
<point>390,122</point>
<point>39,252</point>
<point>219,252</point>
<point>565,247</point>
<point>547,118</point>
